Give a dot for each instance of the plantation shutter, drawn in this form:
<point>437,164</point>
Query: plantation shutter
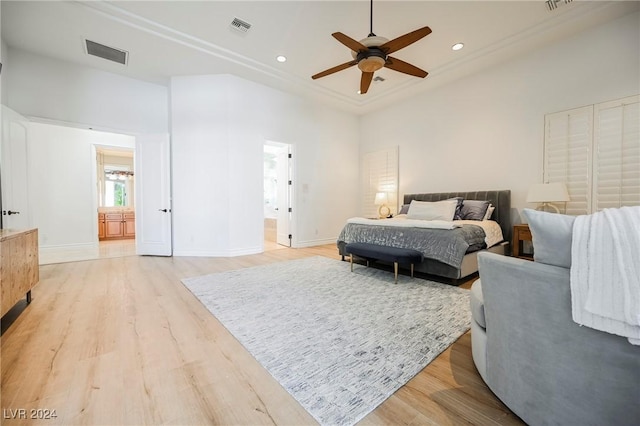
<point>379,174</point>
<point>617,154</point>
<point>567,146</point>
<point>595,150</point>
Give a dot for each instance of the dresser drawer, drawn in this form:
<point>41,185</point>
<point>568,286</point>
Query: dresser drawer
<point>524,235</point>
<point>113,216</point>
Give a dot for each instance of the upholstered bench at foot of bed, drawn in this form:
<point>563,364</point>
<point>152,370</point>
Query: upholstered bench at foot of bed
<point>385,253</point>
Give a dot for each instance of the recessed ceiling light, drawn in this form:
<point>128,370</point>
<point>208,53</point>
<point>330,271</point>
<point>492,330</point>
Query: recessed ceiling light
<point>358,92</point>
<point>281,58</point>
<point>457,46</point>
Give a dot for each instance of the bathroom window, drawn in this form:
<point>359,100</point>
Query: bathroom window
<point>118,185</point>
<point>115,194</point>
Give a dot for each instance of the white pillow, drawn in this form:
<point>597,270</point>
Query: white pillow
<point>489,212</point>
<point>436,210</point>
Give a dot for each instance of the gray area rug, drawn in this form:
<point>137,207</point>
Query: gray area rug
<point>339,342</point>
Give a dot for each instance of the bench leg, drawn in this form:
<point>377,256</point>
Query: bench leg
<point>395,271</point>
<point>351,260</point>
<point>412,270</point>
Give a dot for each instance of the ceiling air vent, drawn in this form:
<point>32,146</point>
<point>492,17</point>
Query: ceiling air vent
<point>240,25</point>
<point>106,52</point>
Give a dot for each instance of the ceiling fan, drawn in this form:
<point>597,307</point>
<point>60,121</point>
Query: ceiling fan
<point>372,53</point>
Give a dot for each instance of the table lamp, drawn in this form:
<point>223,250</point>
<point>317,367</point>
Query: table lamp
<point>546,193</point>
<point>382,200</point>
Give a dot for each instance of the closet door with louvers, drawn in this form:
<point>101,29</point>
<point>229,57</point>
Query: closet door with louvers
<point>616,177</point>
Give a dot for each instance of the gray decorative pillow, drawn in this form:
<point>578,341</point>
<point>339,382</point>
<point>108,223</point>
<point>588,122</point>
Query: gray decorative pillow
<point>404,209</point>
<point>458,214</point>
<point>551,233</point>
<point>474,209</point>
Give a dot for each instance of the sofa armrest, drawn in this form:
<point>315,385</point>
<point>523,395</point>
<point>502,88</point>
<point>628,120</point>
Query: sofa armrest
<point>544,366</point>
<point>477,304</point>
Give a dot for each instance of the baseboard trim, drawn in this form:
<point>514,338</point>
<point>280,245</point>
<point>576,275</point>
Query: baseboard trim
<point>226,253</point>
<point>67,253</point>
<point>312,243</point>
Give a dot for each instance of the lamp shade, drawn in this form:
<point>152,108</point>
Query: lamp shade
<point>547,193</point>
<point>381,199</point>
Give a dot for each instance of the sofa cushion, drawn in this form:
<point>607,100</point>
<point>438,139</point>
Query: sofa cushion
<point>551,233</point>
<point>477,304</point>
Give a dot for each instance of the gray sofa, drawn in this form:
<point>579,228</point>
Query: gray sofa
<point>546,368</point>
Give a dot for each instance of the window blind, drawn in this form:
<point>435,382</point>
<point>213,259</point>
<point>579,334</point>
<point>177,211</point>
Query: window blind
<point>568,139</point>
<point>379,174</point>
<point>595,151</point>
<point>617,154</point>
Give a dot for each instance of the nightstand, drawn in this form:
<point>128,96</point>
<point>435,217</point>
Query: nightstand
<point>521,233</point>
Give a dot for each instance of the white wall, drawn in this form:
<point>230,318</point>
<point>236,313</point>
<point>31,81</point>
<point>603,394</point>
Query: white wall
<point>62,182</point>
<point>3,52</point>
<point>487,131</point>
<point>219,126</point>
<point>4,56</point>
<point>3,59</point>
<point>66,92</point>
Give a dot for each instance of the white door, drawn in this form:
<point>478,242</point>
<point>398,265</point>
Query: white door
<point>15,185</point>
<point>153,195</point>
<point>283,223</point>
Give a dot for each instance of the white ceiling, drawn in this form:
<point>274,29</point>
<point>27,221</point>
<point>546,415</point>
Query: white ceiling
<point>171,38</point>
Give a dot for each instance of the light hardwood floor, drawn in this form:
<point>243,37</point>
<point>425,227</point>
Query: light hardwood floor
<point>122,341</point>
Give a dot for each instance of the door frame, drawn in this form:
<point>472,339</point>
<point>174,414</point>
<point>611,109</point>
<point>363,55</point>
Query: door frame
<point>94,167</point>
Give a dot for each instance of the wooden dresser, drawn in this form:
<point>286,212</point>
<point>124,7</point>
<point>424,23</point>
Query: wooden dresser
<point>19,270</point>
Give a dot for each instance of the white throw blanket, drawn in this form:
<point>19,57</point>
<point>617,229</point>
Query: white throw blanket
<point>605,272</point>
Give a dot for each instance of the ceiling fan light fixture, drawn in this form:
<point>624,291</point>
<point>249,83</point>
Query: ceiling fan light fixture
<point>374,41</point>
<point>372,53</point>
<point>371,64</point>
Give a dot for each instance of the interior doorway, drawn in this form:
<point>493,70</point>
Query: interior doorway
<point>278,181</point>
<point>116,201</point>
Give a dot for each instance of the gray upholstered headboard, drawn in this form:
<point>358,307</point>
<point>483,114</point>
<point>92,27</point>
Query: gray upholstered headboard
<point>501,199</point>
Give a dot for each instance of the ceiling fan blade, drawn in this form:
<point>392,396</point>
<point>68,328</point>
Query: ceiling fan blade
<point>404,67</point>
<point>334,69</point>
<point>405,40</point>
<point>356,46</point>
<point>365,82</point>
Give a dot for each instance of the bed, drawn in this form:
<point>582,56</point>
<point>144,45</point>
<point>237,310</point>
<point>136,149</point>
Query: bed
<point>449,253</point>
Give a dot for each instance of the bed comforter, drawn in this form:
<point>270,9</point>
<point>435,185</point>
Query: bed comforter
<point>444,245</point>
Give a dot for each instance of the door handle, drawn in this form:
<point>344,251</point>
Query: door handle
<point>10,212</point>
<point>163,210</point>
